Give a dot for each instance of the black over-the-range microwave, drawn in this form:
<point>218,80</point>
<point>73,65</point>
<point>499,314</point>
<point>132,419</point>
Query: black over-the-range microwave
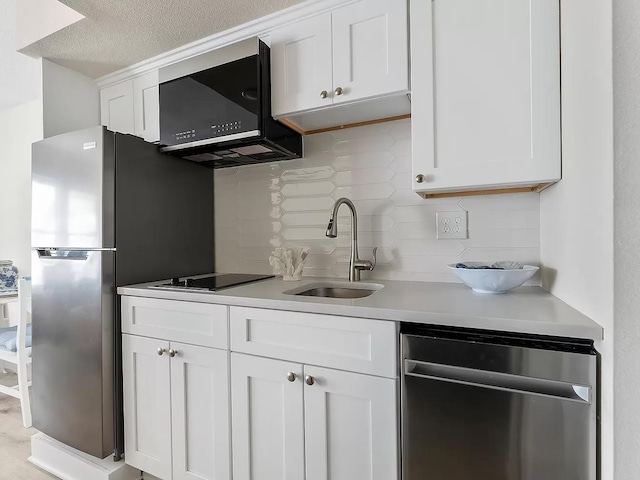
<point>215,109</point>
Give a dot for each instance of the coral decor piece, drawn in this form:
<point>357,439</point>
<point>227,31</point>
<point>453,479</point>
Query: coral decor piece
<point>288,261</point>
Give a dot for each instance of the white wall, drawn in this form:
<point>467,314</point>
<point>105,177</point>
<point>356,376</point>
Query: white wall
<point>19,128</point>
<point>19,74</point>
<point>263,206</point>
<point>70,100</point>
<point>576,245</point>
<point>626,75</point>
<point>37,19</point>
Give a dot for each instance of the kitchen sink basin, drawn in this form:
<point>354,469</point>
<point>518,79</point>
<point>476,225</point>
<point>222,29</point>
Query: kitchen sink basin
<point>336,290</point>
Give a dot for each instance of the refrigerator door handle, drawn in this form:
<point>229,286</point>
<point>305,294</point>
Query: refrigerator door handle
<point>55,254</point>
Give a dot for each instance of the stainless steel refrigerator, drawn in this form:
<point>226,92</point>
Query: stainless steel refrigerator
<point>107,210</point>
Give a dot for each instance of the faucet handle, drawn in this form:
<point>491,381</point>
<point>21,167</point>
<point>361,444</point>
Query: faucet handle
<point>366,264</point>
<point>375,258</point>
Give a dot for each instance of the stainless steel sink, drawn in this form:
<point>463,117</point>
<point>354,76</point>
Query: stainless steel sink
<point>332,292</point>
<point>336,290</point>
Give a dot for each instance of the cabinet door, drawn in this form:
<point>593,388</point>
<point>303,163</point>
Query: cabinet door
<point>351,427</point>
<point>200,413</point>
<point>301,66</point>
<point>147,405</point>
<point>268,438</point>
<point>485,93</point>
<point>370,49</point>
<point>146,106</point>
<point>116,107</point>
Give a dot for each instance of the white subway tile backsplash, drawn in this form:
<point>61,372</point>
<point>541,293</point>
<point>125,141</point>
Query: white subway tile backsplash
<point>307,204</point>
<point>261,207</point>
<point>364,192</point>
<point>303,233</point>
<point>351,133</point>
<point>308,219</point>
<point>307,189</point>
<point>415,248</point>
<point>363,176</point>
<point>364,160</point>
<point>401,164</point>
<point>501,203</point>
<point>371,207</point>
<point>303,174</point>
<point>401,147</point>
<point>406,197</point>
<point>377,143</point>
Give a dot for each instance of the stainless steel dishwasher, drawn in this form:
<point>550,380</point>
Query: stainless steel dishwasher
<point>487,406</point>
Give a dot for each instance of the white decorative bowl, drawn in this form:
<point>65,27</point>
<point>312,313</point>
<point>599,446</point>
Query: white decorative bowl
<point>493,281</point>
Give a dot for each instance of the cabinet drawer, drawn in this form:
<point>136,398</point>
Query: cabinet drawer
<point>346,343</point>
<point>187,322</point>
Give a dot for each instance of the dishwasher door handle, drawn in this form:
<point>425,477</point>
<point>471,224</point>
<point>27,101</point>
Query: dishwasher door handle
<point>498,381</point>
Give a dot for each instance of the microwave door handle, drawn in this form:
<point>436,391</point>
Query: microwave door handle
<point>498,381</point>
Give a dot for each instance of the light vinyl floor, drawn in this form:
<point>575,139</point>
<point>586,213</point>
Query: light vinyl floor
<point>15,440</point>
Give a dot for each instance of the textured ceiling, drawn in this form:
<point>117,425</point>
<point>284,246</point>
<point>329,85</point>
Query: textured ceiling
<point>19,75</point>
<point>119,33</point>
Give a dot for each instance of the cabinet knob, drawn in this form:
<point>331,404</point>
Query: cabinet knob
<point>324,94</point>
<point>291,377</point>
<point>420,178</point>
<point>161,351</point>
<point>309,380</point>
<point>339,91</point>
<point>172,352</point>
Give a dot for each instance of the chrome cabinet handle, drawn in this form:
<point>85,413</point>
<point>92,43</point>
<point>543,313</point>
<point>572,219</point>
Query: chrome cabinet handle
<point>324,94</point>
<point>291,377</point>
<point>339,91</point>
<point>160,351</point>
<point>309,380</point>
<point>420,178</point>
<point>172,352</point>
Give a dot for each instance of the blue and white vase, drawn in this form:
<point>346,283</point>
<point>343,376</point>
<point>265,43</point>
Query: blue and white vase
<point>8,275</point>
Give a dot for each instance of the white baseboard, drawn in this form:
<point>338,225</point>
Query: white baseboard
<point>70,464</point>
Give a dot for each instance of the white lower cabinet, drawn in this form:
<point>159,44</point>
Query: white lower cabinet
<point>267,419</point>
<point>200,413</point>
<point>350,426</point>
<point>193,410</point>
<point>293,422</point>
<point>147,405</point>
<point>176,407</point>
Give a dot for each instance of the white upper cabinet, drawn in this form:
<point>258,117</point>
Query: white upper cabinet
<point>301,65</point>
<point>146,106</point>
<point>370,50</point>
<point>133,107</point>
<point>485,94</point>
<point>355,52</point>
<point>116,107</point>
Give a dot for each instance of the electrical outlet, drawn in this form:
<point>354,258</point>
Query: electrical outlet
<point>451,225</point>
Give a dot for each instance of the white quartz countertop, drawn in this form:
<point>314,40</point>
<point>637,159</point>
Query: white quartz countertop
<point>524,310</point>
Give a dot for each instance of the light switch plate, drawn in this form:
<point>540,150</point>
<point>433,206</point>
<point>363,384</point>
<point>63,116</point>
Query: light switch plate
<point>451,225</point>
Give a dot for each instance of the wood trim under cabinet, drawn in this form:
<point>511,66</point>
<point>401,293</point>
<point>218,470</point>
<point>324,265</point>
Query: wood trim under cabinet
<point>496,191</point>
<point>295,127</point>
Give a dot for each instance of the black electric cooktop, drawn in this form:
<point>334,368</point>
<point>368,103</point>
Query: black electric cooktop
<point>212,283</point>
